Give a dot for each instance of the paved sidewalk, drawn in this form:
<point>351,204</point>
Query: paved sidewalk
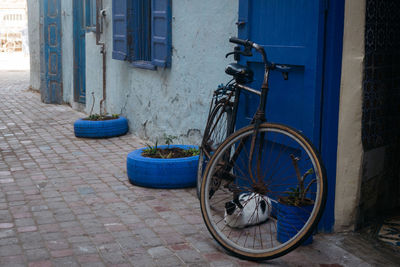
<point>66,201</point>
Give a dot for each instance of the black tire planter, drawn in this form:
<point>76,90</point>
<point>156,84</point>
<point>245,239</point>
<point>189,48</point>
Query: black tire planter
<point>162,173</point>
<point>101,129</point>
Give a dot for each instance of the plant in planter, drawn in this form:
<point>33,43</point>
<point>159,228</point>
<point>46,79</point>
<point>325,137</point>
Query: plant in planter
<point>295,208</point>
<point>100,125</point>
<point>166,166</point>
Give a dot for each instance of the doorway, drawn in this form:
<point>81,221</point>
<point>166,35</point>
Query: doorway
<point>380,185</point>
<point>79,52</point>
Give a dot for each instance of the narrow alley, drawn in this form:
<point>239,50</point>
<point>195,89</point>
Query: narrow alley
<point>66,201</point>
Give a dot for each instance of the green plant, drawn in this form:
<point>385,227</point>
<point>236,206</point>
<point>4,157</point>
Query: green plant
<point>91,109</point>
<point>94,117</point>
<point>297,195</point>
<point>151,150</point>
<point>169,139</point>
<point>193,151</point>
<point>102,116</point>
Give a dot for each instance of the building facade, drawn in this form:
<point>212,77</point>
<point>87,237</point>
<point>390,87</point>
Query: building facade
<point>158,67</point>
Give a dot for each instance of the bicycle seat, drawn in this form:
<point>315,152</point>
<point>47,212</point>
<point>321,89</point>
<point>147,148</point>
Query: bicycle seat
<point>241,73</point>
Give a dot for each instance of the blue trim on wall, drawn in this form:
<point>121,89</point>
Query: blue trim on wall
<point>330,106</point>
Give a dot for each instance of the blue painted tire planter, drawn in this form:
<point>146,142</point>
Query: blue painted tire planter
<point>101,129</point>
<point>162,173</point>
<point>291,218</point>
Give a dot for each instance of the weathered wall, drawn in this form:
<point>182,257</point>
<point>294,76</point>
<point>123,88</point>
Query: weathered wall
<point>94,73</point>
<point>350,151</point>
<point>172,101</point>
<point>34,42</point>
<point>67,41</point>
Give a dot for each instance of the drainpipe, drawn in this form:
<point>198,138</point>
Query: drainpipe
<point>102,105</point>
<point>100,15</point>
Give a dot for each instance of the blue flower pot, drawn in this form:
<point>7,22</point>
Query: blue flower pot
<point>162,173</point>
<point>290,221</point>
<point>101,129</point>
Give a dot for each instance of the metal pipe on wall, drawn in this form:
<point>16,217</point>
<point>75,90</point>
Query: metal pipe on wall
<point>100,14</point>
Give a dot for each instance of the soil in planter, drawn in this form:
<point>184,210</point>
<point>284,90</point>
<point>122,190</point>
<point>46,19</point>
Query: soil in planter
<point>169,153</point>
<point>100,118</point>
<point>288,201</point>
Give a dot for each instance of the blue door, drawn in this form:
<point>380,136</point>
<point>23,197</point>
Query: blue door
<point>79,53</point>
<point>291,32</point>
<point>51,74</point>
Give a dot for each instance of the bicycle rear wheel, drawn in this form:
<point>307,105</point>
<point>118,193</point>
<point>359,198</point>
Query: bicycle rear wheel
<point>215,133</point>
<point>251,214</point>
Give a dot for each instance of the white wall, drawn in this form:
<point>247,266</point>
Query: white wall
<point>34,42</point>
<point>350,151</point>
<point>67,41</point>
<point>94,73</point>
<point>173,101</point>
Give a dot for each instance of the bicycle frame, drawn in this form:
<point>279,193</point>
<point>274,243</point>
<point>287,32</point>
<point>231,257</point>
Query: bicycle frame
<point>258,118</point>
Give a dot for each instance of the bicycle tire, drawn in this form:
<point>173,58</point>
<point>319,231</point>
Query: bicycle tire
<point>278,138</point>
<point>215,133</point>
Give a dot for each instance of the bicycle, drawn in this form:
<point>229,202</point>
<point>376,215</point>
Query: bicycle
<point>264,187</point>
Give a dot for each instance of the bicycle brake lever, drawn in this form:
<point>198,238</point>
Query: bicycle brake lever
<point>230,53</point>
<point>244,53</point>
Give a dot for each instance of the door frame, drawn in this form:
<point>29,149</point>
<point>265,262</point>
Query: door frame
<point>78,24</point>
<point>333,47</point>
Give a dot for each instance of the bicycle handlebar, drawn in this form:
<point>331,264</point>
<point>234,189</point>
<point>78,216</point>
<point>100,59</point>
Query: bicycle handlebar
<point>240,41</point>
<point>248,44</point>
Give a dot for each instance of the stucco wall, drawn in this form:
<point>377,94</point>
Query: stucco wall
<point>173,101</point>
<point>34,42</point>
<point>94,73</point>
<point>350,151</point>
<point>67,41</point>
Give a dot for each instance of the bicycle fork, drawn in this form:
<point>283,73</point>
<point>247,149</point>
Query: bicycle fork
<point>257,120</point>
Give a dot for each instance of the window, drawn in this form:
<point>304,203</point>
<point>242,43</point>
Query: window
<point>90,15</point>
<point>142,32</point>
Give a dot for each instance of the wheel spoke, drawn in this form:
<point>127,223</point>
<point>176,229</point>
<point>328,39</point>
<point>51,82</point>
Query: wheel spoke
<point>264,174</point>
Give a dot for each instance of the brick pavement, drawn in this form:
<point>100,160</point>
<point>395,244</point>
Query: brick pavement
<point>66,201</point>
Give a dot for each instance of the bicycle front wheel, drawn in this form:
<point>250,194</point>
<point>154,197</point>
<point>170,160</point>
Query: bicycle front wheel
<point>272,191</point>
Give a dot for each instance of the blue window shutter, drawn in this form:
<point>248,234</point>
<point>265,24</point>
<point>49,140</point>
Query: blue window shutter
<point>120,11</point>
<point>161,33</point>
